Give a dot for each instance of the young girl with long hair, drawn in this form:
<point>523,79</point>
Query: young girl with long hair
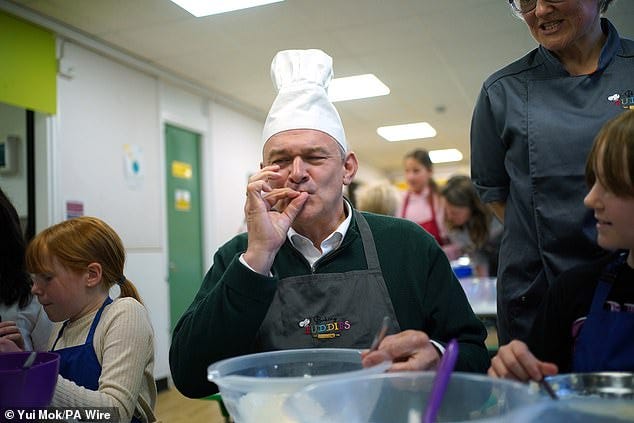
<point>421,203</point>
<point>106,346</point>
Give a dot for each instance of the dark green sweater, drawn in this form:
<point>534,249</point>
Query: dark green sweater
<point>225,316</point>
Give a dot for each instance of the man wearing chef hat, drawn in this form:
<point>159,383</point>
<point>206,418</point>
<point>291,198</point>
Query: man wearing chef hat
<point>311,271</point>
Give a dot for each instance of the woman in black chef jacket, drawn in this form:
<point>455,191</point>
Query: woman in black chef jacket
<point>531,132</point>
<point>587,320</point>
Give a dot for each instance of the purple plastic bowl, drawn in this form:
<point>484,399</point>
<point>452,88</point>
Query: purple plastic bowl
<point>33,387</point>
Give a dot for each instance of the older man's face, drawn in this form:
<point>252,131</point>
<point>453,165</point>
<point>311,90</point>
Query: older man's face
<point>311,161</point>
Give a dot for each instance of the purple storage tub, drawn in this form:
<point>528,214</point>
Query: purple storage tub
<point>33,387</point>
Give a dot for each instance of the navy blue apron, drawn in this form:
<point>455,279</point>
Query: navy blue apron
<point>605,340</point>
<point>79,363</point>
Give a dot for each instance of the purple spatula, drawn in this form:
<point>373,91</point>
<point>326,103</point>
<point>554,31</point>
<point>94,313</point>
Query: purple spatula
<point>443,374</point>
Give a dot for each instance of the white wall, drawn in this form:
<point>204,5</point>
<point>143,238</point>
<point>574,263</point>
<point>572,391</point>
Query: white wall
<point>236,153</point>
<point>103,107</point>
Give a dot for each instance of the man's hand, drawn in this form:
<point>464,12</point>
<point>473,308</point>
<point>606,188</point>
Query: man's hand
<point>9,331</point>
<point>515,361</point>
<point>408,350</point>
<point>269,212</point>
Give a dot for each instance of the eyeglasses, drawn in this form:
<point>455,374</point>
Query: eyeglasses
<point>525,6</point>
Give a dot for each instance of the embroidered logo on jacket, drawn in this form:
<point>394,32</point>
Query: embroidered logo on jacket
<point>324,327</point>
<point>624,100</point>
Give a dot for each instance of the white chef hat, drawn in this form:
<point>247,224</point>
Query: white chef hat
<point>301,78</point>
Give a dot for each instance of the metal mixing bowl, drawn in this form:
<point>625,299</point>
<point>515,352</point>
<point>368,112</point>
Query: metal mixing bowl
<point>601,384</point>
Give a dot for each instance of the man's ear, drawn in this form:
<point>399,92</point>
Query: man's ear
<point>350,165</point>
<point>94,274</point>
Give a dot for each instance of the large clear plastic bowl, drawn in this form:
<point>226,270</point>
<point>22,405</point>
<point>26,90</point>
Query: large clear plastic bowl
<point>254,387</point>
<point>402,397</point>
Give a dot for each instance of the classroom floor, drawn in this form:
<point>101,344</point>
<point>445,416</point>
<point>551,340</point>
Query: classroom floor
<point>173,407</point>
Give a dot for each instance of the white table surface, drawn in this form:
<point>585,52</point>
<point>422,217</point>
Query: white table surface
<point>482,294</point>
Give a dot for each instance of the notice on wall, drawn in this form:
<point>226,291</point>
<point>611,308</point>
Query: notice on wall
<point>182,200</point>
<point>133,168</point>
<point>74,209</point>
<point>181,170</point>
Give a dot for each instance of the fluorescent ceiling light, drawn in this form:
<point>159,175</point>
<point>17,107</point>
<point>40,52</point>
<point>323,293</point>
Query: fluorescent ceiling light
<point>408,131</point>
<point>444,156</point>
<point>354,87</point>
<point>200,8</point>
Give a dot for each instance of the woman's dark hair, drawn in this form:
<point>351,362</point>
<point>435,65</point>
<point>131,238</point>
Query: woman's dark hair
<point>422,157</point>
<point>15,282</point>
<point>459,191</point>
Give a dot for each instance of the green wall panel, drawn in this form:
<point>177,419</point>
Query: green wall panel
<point>28,73</point>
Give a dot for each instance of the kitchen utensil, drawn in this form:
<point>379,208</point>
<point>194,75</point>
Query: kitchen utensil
<point>445,368</point>
<point>549,389</point>
<point>29,360</point>
<point>380,334</point>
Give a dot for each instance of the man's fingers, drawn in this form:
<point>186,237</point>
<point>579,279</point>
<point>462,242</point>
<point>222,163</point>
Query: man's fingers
<point>404,344</point>
<point>255,188</point>
<point>278,194</point>
<point>295,206</point>
<point>266,173</point>
<point>369,359</point>
<point>408,350</point>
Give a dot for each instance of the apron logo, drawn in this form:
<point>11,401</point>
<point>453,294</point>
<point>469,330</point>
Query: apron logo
<point>625,100</point>
<point>324,327</point>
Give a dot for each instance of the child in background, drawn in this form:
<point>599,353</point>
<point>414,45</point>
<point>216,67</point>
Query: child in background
<point>23,323</point>
<point>106,347</point>
<point>587,320</point>
<point>421,203</point>
<point>378,198</point>
<point>471,228</point>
